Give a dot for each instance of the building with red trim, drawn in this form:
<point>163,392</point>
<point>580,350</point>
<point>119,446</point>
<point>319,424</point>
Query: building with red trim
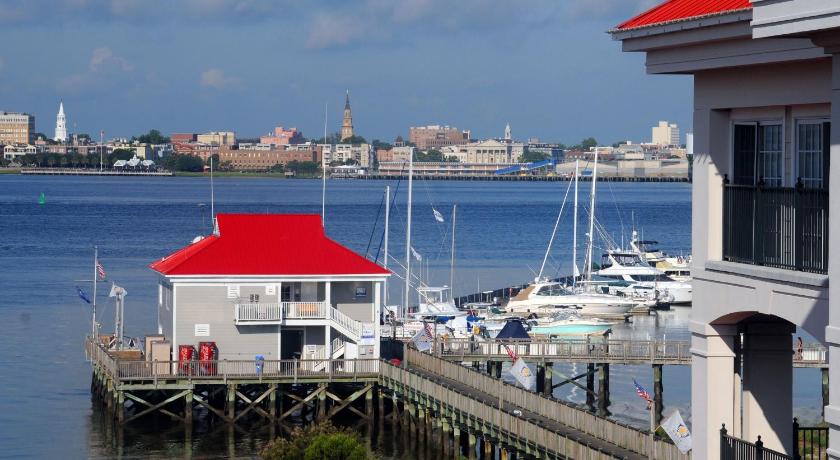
<point>273,285</point>
<point>766,77</point>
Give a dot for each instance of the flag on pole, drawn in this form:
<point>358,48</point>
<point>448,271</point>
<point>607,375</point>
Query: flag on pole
<point>116,291</point>
<point>82,294</point>
<point>642,392</point>
<point>100,270</point>
<point>438,215</point>
<point>522,373</point>
<point>416,254</point>
<point>678,432</point>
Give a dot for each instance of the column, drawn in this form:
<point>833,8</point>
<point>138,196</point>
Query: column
<point>712,386</point>
<point>768,384</point>
<point>832,331</point>
<point>377,312</point>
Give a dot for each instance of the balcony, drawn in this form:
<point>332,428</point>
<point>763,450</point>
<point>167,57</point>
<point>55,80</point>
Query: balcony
<point>776,227</point>
<point>275,313</point>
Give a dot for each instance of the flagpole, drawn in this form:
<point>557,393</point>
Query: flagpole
<point>408,238</point>
<point>93,320</point>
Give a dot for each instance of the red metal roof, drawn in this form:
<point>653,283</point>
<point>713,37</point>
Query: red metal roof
<point>266,244</point>
<point>683,10</point>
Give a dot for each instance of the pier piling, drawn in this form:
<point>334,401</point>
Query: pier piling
<point>547,378</point>
<point>824,374</point>
<point>657,392</point>
<point>590,386</point>
<point>603,389</point>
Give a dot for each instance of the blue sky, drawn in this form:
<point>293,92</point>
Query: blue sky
<point>547,67</point>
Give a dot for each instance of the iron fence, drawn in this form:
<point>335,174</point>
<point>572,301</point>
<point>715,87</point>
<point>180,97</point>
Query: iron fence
<point>732,448</point>
<point>776,227</point>
<point>809,443</point>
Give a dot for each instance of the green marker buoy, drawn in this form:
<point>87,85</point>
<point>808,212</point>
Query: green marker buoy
<point>42,199</point>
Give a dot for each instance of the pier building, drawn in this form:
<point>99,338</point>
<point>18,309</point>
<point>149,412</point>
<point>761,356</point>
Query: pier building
<point>270,285</point>
<point>766,78</point>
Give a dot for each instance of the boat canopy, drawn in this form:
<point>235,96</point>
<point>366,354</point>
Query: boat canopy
<point>513,330</point>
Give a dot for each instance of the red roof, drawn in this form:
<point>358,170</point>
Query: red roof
<point>267,244</point>
<point>683,10</point>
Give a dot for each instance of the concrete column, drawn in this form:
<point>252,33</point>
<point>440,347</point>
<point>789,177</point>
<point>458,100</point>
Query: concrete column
<point>712,386</point>
<point>832,331</point>
<point>377,312</point>
<point>768,385</point>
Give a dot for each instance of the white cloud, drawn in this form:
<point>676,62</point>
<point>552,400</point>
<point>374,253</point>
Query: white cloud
<point>103,66</point>
<point>104,59</point>
<point>216,78</point>
<point>330,30</point>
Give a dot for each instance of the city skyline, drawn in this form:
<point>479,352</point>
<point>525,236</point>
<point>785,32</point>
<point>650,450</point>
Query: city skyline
<point>124,69</point>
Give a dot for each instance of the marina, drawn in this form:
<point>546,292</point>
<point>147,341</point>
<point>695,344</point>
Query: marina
<point>124,264</point>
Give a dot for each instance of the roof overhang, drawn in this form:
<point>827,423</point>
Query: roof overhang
<point>780,18</point>
<point>271,278</point>
<point>683,25</point>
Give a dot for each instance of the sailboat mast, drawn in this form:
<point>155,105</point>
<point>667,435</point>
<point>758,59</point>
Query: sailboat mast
<point>452,259</point>
<point>212,197</point>
<point>591,248</point>
<point>574,227</point>
<point>324,173</point>
<point>387,224</point>
<point>95,279</point>
<point>408,238</point>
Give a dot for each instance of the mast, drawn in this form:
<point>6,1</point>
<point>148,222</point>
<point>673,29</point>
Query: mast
<point>324,175</point>
<point>591,248</point>
<point>574,228</point>
<point>95,279</point>
<point>408,238</point>
<point>387,223</point>
<point>212,198</point>
<point>452,259</point>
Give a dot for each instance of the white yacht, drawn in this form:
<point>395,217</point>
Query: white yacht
<point>676,267</point>
<point>546,298</point>
<point>629,266</point>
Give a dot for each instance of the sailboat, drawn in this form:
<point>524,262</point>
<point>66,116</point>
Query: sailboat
<point>544,297</point>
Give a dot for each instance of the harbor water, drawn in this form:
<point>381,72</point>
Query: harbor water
<point>502,230</point>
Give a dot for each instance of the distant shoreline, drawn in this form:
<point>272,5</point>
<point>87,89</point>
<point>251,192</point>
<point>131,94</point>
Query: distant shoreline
<point>367,177</point>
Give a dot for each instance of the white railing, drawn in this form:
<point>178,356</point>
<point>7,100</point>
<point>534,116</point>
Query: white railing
<point>258,312</point>
<point>337,346</point>
<point>304,310</point>
<point>352,328</point>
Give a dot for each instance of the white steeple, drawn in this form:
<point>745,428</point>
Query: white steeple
<point>60,124</point>
<point>507,132</point>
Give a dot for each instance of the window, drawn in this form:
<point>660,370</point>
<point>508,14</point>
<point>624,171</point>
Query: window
<point>812,144</point>
<point>758,154</point>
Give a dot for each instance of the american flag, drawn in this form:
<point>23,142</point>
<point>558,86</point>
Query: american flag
<point>511,352</point>
<point>642,392</point>
<point>100,270</point>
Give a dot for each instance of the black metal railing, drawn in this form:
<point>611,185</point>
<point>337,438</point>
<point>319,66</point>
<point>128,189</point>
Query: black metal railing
<point>776,227</point>
<point>809,443</point>
<point>732,448</point>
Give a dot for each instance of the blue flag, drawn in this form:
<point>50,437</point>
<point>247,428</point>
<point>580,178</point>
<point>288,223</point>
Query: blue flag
<point>82,294</point>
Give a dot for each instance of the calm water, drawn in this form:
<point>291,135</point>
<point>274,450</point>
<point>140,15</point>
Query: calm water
<point>502,230</point>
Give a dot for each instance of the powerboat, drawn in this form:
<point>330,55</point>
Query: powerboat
<point>629,266</point>
<point>569,324</point>
<point>677,268</point>
<point>546,298</point>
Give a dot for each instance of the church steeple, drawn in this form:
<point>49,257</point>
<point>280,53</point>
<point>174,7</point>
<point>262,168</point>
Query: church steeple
<point>347,124</point>
<point>60,124</point>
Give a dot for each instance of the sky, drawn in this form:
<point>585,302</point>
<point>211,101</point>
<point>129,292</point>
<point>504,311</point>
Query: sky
<point>547,67</point>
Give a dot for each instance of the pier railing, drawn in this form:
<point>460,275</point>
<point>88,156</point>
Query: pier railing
<point>611,431</point>
<point>142,370</point>
<point>583,350</point>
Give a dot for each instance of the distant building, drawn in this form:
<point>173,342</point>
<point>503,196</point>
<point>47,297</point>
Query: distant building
<point>16,128</point>
<point>261,157</point>
<point>553,151</point>
<point>60,125</point>
<point>347,123</point>
<point>490,151</point>
<point>436,136</point>
<point>444,168</point>
<point>12,151</point>
<point>282,136</point>
<point>665,134</point>
<point>217,138</point>
<point>199,149</point>
<point>360,153</point>
<point>394,154</point>
<point>182,137</point>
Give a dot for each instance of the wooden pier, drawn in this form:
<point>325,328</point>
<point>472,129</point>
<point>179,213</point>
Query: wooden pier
<point>91,172</point>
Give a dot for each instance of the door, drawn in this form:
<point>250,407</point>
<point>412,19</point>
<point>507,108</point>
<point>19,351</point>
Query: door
<point>291,343</point>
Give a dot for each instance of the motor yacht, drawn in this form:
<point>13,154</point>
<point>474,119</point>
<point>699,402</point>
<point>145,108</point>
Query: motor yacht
<point>629,266</point>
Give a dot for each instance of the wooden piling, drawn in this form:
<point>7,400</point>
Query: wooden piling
<point>657,393</point>
<point>471,445</point>
<point>590,386</point>
<point>230,403</point>
<point>824,374</point>
<point>188,410</point>
<point>603,389</point>
<point>548,370</point>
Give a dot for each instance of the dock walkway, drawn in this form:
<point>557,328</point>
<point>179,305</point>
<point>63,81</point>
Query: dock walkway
<point>542,425</point>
